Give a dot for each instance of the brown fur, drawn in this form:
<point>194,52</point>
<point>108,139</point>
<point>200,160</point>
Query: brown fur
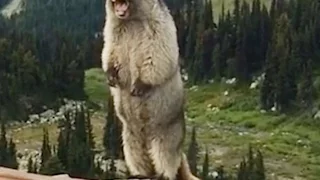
<point>140,57</point>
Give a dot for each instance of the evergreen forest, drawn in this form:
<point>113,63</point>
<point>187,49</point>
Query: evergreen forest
<point>251,72</point>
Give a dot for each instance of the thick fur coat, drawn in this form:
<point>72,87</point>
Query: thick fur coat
<point>141,59</point>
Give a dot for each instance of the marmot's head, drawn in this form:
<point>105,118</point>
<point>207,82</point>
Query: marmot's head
<point>121,8</point>
<point>132,9</point>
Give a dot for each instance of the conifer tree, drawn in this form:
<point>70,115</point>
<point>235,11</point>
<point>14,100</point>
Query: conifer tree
<point>216,58</point>
<point>306,90</point>
<point>53,166</point>
<point>221,174</point>
<point>90,137</point>
<point>80,154</point>
<point>3,145</point>
<point>64,140</point>
<point>193,152</point>
<point>250,164</point>
<point>205,166</point>
<point>242,171</point>
<point>286,87</point>
<point>12,155</point>
<point>112,140</point>
<point>236,12</point>
<point>260,170</point>
<point>45,149</point>
<point>241,68</point>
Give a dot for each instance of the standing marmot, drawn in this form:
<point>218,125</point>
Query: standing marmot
<point>141,59</point>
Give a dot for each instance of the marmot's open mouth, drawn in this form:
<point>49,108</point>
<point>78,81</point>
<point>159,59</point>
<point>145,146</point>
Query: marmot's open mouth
<point>121,8</point>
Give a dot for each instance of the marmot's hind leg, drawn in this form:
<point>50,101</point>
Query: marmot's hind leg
<point>136,157</point>
<point>166,149</point>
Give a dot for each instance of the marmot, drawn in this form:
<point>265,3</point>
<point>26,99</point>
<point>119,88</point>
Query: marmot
<point>141,60</point>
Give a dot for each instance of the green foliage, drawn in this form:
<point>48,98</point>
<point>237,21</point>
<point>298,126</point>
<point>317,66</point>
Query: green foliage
<point>42,58</point>
<point>12,158</point>
<point>193,152</point>
<point>95,85</point>
<point>52,166</point>
<point>8,157</point>
<point>80,152</point>
<point>112,140</point>
<point>45,150</point>
<point>252,168</point>
<point>205,166</point>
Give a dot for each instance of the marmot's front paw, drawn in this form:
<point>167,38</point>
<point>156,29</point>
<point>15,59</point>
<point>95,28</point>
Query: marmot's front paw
<point>112,75</point>
<point>139,88</point>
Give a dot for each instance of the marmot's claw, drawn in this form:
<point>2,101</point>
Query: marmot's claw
<point>112,76</point>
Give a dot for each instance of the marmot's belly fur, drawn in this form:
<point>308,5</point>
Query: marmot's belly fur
<point>144,128</point>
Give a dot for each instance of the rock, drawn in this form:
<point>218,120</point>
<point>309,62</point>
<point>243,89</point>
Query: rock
<point>317,115</point>
<point>231,81</point>
<point>226,93</point>
<point>194,88</point>
<point>263,111</point>
<point>214,174</point>
<point>34,117</point>
<point>215,109</point>
<point>254,85</point>
<point>48,113</point>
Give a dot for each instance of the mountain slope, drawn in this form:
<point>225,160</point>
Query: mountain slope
<point>227,120</point>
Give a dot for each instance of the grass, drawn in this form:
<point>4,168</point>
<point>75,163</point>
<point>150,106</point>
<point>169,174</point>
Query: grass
<point>283,141</point>
<point>95,85</point>
<point>290,149</point>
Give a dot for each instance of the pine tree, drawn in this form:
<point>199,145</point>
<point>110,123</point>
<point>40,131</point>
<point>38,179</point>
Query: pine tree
<point>286,87</point>
<point>205,166</point>
<point>260,170</point>
<point>306,90</point>
<point>80,152</point>
<point>3,145</point>
<point>241,68</point>
<point>64,140</point>
<point>193,152</point>
<point>268,84</point>
<point>221,174</point>
<point>236,12</point>
<point>12,155</point>
<point>217,70</point>
<point>90,137</point>
<point>45,149</point>
<point>250,164</point>
<point>242,172</point>
<point>112,140</point>
<point>53,166</point>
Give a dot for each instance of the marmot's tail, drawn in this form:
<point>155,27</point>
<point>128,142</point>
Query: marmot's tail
<point>184,172</point>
